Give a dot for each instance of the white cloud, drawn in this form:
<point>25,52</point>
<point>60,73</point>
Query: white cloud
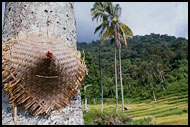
<point>142,17</point>
<point>163,18</point>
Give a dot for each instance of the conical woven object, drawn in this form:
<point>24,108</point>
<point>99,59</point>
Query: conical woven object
<point>41,73</point>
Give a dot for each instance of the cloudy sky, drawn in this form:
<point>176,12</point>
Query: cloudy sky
<point>142,17</point>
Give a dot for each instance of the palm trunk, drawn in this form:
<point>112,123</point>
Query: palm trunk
<point>85,102</point>
<point>101,79</point>
<point>121,80</point>
<point>106,63</point>
<point>116,91</point>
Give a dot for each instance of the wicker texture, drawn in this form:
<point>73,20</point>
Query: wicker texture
<point>40,84</point>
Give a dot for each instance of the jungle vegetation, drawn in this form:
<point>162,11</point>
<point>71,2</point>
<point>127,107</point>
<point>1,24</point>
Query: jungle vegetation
<point>153,66</point>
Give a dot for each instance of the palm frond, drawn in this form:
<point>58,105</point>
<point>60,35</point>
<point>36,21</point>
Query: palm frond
<point>124,37</point>
<point>117,10</point>
<point>126,29</point>
<point>109,8</point>
<point>110,27</point>
<point>99,14</point>
<point>102,30</point>
<point>100,26</point>
<point>111,31</point>
<point>105,35</point>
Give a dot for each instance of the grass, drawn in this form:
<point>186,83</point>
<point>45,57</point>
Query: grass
<point>169,110</point>
<point>172,120</point>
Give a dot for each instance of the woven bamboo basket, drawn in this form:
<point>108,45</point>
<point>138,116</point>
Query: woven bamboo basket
<point>41,73</point>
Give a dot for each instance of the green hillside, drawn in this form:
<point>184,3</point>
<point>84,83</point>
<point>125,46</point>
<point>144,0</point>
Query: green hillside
<point>164,55</point>
<point>167,54</point>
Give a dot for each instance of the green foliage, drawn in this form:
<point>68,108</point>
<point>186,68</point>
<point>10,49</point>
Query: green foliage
<point>140,64</point>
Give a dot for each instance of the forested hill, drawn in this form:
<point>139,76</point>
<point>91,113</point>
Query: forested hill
<point>152,62</point>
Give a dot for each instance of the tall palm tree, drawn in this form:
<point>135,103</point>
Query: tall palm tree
<point>112,27</point>
<point>99,6</point>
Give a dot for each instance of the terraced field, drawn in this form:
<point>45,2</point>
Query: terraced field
<point>169,110</point>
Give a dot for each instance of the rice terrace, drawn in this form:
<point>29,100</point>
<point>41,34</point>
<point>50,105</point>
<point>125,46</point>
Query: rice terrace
<point>169,111</point>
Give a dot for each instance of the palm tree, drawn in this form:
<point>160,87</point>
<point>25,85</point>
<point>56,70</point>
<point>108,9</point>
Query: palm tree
<point>99,6</point>
<point>112,27</point>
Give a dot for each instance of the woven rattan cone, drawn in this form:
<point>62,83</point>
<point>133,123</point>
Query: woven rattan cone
<point>41,73</point>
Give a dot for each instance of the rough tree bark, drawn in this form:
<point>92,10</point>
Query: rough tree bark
<point>51,18</point>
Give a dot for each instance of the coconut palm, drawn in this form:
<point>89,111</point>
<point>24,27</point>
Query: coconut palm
<point>99,6</point>
<point>112,27</point>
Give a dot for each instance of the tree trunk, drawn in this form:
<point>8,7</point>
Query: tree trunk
<point>106,62</point>
<point>85,102</point>
<point>102,89</point>
<point>54,19</point>
<point>154,96</point>
<point>163,86</point>
<point>162,79</point>
<point>121,80</point>
<point>116,91</point>
<point>153,93</point>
